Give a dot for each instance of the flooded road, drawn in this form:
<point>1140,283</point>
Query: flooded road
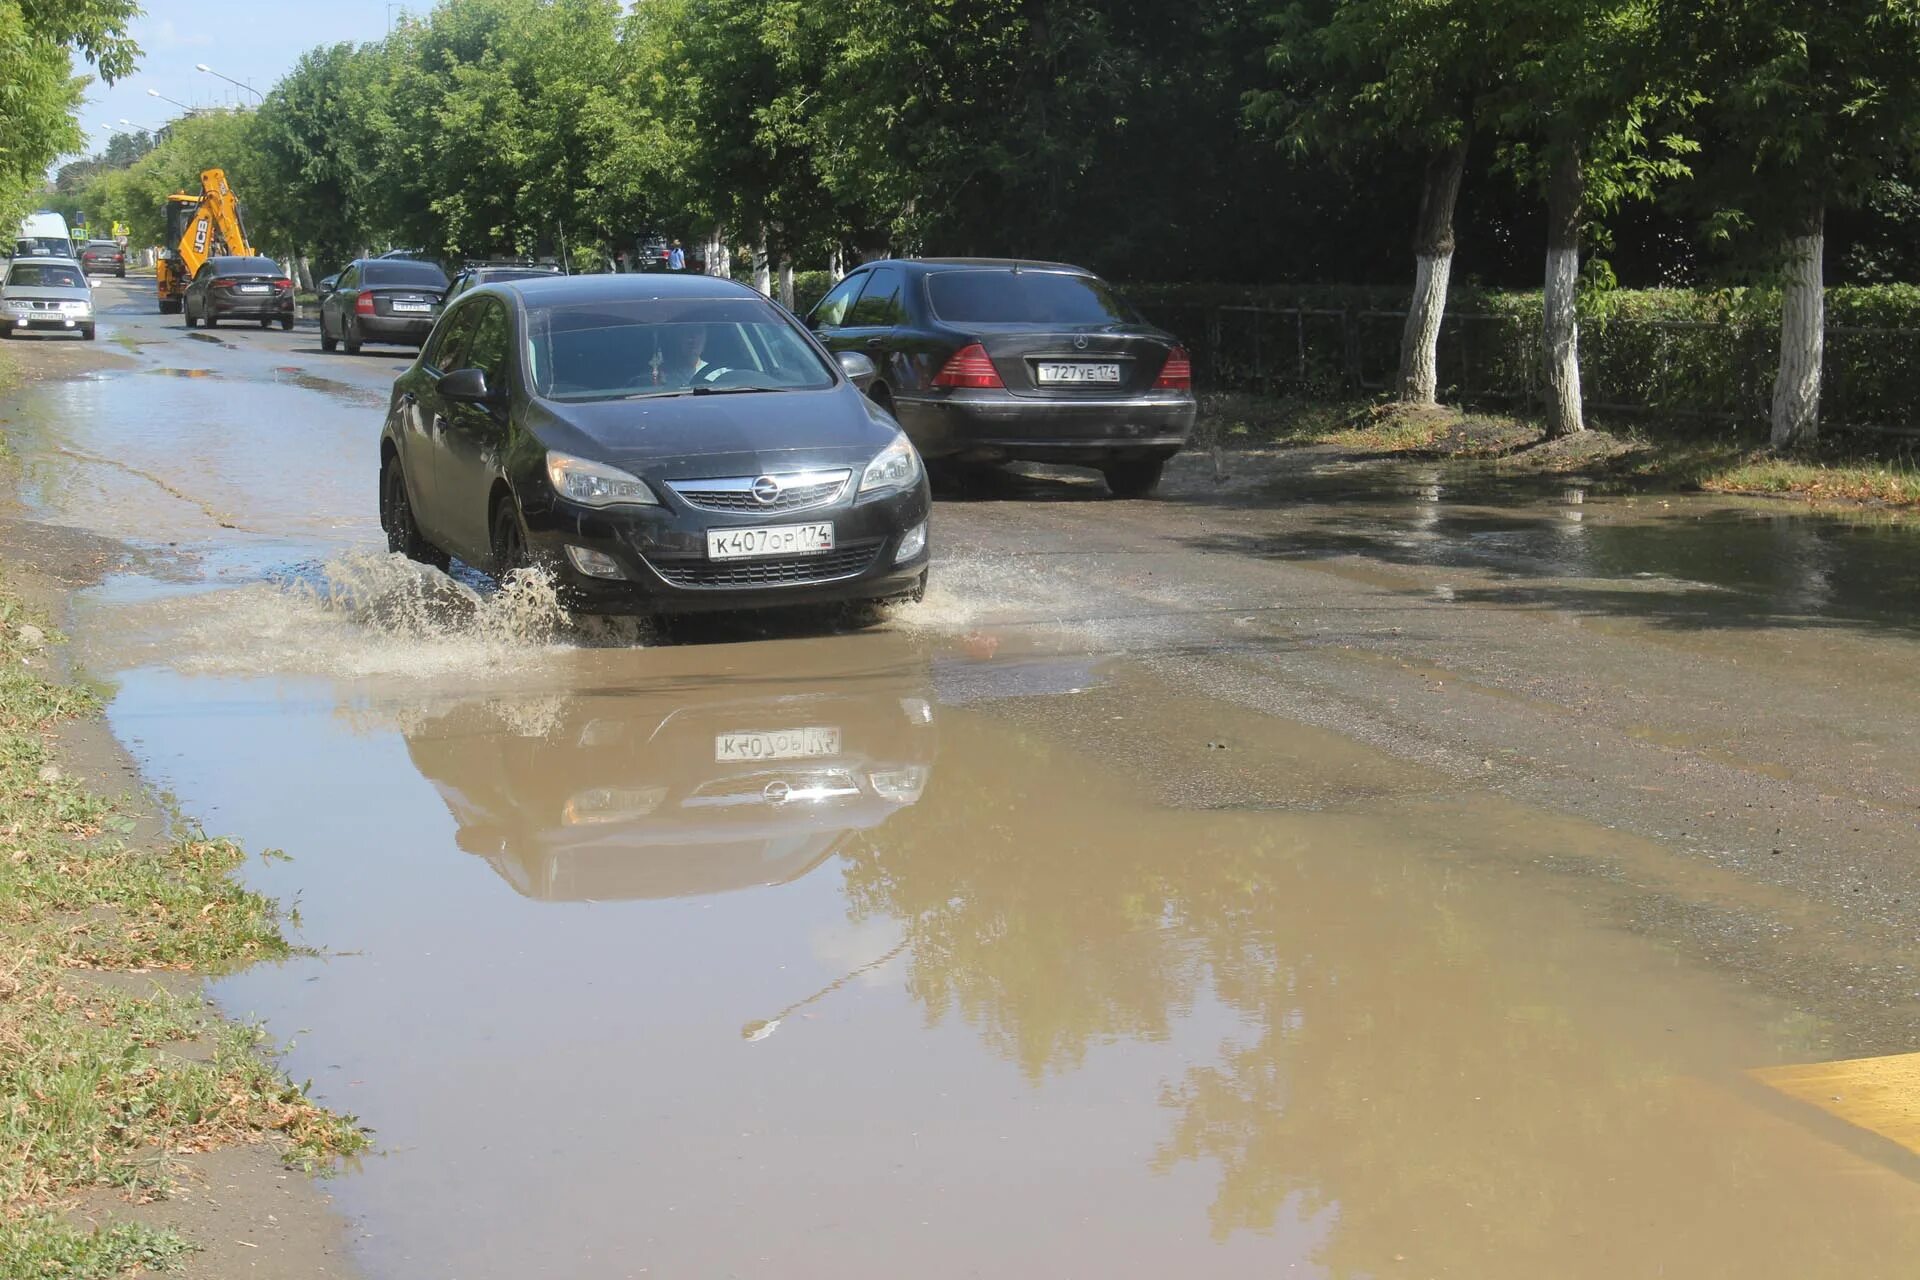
<point>1318,873</point>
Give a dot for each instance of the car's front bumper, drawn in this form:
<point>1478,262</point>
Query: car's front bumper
<point>46,321</point>
<point>662,555</point>
<point>998,426</point>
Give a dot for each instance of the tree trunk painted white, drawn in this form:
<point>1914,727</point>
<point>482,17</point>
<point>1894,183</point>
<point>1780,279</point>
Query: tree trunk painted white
<point>719,257</point>
<point>836,266</point>
<point>786,283</point>
<point>1796,387</point>
<point>1566,200</point>
<point>1432,266</point>
<point>762,265</point>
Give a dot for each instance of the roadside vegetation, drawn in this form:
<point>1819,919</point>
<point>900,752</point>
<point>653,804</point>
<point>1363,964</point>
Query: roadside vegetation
<point>1628,455</point>
<point>92,1093</point>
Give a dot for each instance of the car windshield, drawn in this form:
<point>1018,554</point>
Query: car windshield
<point>45,275</point>
<point>43,246</point>
<point>1026,297</point>
<point>655,346</point>
<point>389,271</point>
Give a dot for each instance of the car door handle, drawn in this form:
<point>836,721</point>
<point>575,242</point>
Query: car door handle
<point>876,343</point>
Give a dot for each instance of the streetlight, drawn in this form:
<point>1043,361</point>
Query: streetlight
<point>201,66</point>
<point>155,93</point>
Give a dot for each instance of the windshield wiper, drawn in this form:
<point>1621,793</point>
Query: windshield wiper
<point>728,391</point>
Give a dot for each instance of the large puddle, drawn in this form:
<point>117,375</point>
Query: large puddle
<point>877,955</point>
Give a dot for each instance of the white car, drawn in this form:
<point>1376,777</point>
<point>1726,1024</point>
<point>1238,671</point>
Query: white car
<point>46,295</point>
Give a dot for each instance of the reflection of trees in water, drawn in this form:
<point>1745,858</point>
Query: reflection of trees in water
<point>1433,1067</point>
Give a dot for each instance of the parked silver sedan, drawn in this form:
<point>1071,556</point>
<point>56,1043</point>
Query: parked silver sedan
<point>46,295</point>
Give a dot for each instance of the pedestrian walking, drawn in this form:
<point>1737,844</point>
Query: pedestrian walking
<point>676,258</point>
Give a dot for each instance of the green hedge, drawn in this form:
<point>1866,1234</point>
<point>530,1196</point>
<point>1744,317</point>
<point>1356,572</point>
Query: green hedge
<point>1693,353</point>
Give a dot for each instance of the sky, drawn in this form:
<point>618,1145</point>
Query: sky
<point>255,41</point>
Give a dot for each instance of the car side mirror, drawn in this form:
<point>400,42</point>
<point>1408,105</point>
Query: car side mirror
<point>858,368</point>
<point>468,386</point>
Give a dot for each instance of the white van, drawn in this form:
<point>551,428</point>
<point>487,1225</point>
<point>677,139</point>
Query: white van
<point>43,235</point>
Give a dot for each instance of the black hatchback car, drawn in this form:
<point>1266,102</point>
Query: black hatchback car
<point>995,360</point>
<point>102,256</point>
<point>238,289</point>
<point>660,444</point>
<point>381,300</point>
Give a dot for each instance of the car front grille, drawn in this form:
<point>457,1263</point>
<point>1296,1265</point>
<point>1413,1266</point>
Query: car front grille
<point>794,492</point>
<point>775,571</point>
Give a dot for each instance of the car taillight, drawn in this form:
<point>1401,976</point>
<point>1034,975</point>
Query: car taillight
<point>225,282</point>
<point>283,283</point>
<point>968,367</point>
<point>363,305</point>
<point>1177,373</point>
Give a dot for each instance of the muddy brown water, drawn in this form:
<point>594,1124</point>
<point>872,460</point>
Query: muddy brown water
<point>956,947</point>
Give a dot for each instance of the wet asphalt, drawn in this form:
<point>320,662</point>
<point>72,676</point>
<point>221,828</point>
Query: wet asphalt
<point>1326,868</point>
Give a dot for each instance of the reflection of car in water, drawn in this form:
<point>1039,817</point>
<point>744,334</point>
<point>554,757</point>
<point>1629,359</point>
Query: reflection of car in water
<point>686,791</point>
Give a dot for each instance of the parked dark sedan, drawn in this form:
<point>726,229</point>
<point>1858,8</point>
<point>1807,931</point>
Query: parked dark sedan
<point>238,289</point>
<point>97,257</point>
<point>475,274</point>
<point>660,443</point>
<point>381,300</point>
<point>994,360</point>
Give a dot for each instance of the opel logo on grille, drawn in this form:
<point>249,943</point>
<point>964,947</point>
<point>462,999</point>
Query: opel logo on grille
<point>766,490</point>
<point>777,792</point>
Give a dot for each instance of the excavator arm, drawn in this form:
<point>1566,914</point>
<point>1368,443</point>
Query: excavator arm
<point>208,225</point>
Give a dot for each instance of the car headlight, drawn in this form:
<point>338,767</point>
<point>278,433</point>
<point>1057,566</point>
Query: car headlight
<point>77,308</point>
<point>895,467</point>
<point>19,305</point>
<point>902,785</point>
<point>595,484</point>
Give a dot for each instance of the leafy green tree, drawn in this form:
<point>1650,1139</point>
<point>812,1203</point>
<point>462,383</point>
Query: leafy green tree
<point>38,90</point>
<point>1368,82</point>
<point>1818,107</point>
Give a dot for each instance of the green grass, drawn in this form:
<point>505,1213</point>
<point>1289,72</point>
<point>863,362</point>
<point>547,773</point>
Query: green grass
<point>89,1096</point>
<point>9,372</point>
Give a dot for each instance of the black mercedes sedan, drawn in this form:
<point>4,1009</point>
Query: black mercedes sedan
<point>988,360</point>
<point>238,289</point>
<point>380,300</point>
<point>661,444</point>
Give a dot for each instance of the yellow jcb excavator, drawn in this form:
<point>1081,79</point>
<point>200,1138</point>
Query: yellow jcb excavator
<point>198,227</point>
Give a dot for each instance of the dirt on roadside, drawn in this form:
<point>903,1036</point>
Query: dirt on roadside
<point>243,1211</point>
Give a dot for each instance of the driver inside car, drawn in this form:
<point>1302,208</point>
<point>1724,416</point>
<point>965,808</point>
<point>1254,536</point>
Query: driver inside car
<point>681,350</point>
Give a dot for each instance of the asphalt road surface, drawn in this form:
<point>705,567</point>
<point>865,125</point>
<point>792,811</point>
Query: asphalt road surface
<point>1328,868</point>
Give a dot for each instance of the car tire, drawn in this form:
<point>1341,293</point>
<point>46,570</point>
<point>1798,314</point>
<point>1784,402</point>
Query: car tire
<point>327,342</point>
<point>121,274</point>
<point>169,307</point>
<point>210,320</point>
<point>186,314</point>
<point>351,339</point>
<point>509,541</point>
<point>86,331</point>
<point>396,520</point>
<point>266,322</point>
<point>1137,478</point>
<point>287,323</point>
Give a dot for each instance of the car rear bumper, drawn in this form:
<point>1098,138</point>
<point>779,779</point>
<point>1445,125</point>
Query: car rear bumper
<point>261,308</point>
<point>998,426</point>
<point>407,331</point>
<point>661,552</point>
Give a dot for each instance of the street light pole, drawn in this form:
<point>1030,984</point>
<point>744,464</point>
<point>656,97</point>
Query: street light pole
<point>201,66</point>
<point>155,93</point>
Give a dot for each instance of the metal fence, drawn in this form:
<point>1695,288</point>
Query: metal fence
<point>1720,371</point>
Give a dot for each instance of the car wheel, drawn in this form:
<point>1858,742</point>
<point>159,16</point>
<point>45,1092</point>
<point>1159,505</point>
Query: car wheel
<point>121,274</point>
<point>326,339</point>
<point>286,322</point>
<point>186,314</point>
<point>209,319</point>
<point>396,519</point>
<point>1135,479</point>
<point>351,338</point>
<point>86,331</point>
<point>509,541</point>
<point>266,322</point>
